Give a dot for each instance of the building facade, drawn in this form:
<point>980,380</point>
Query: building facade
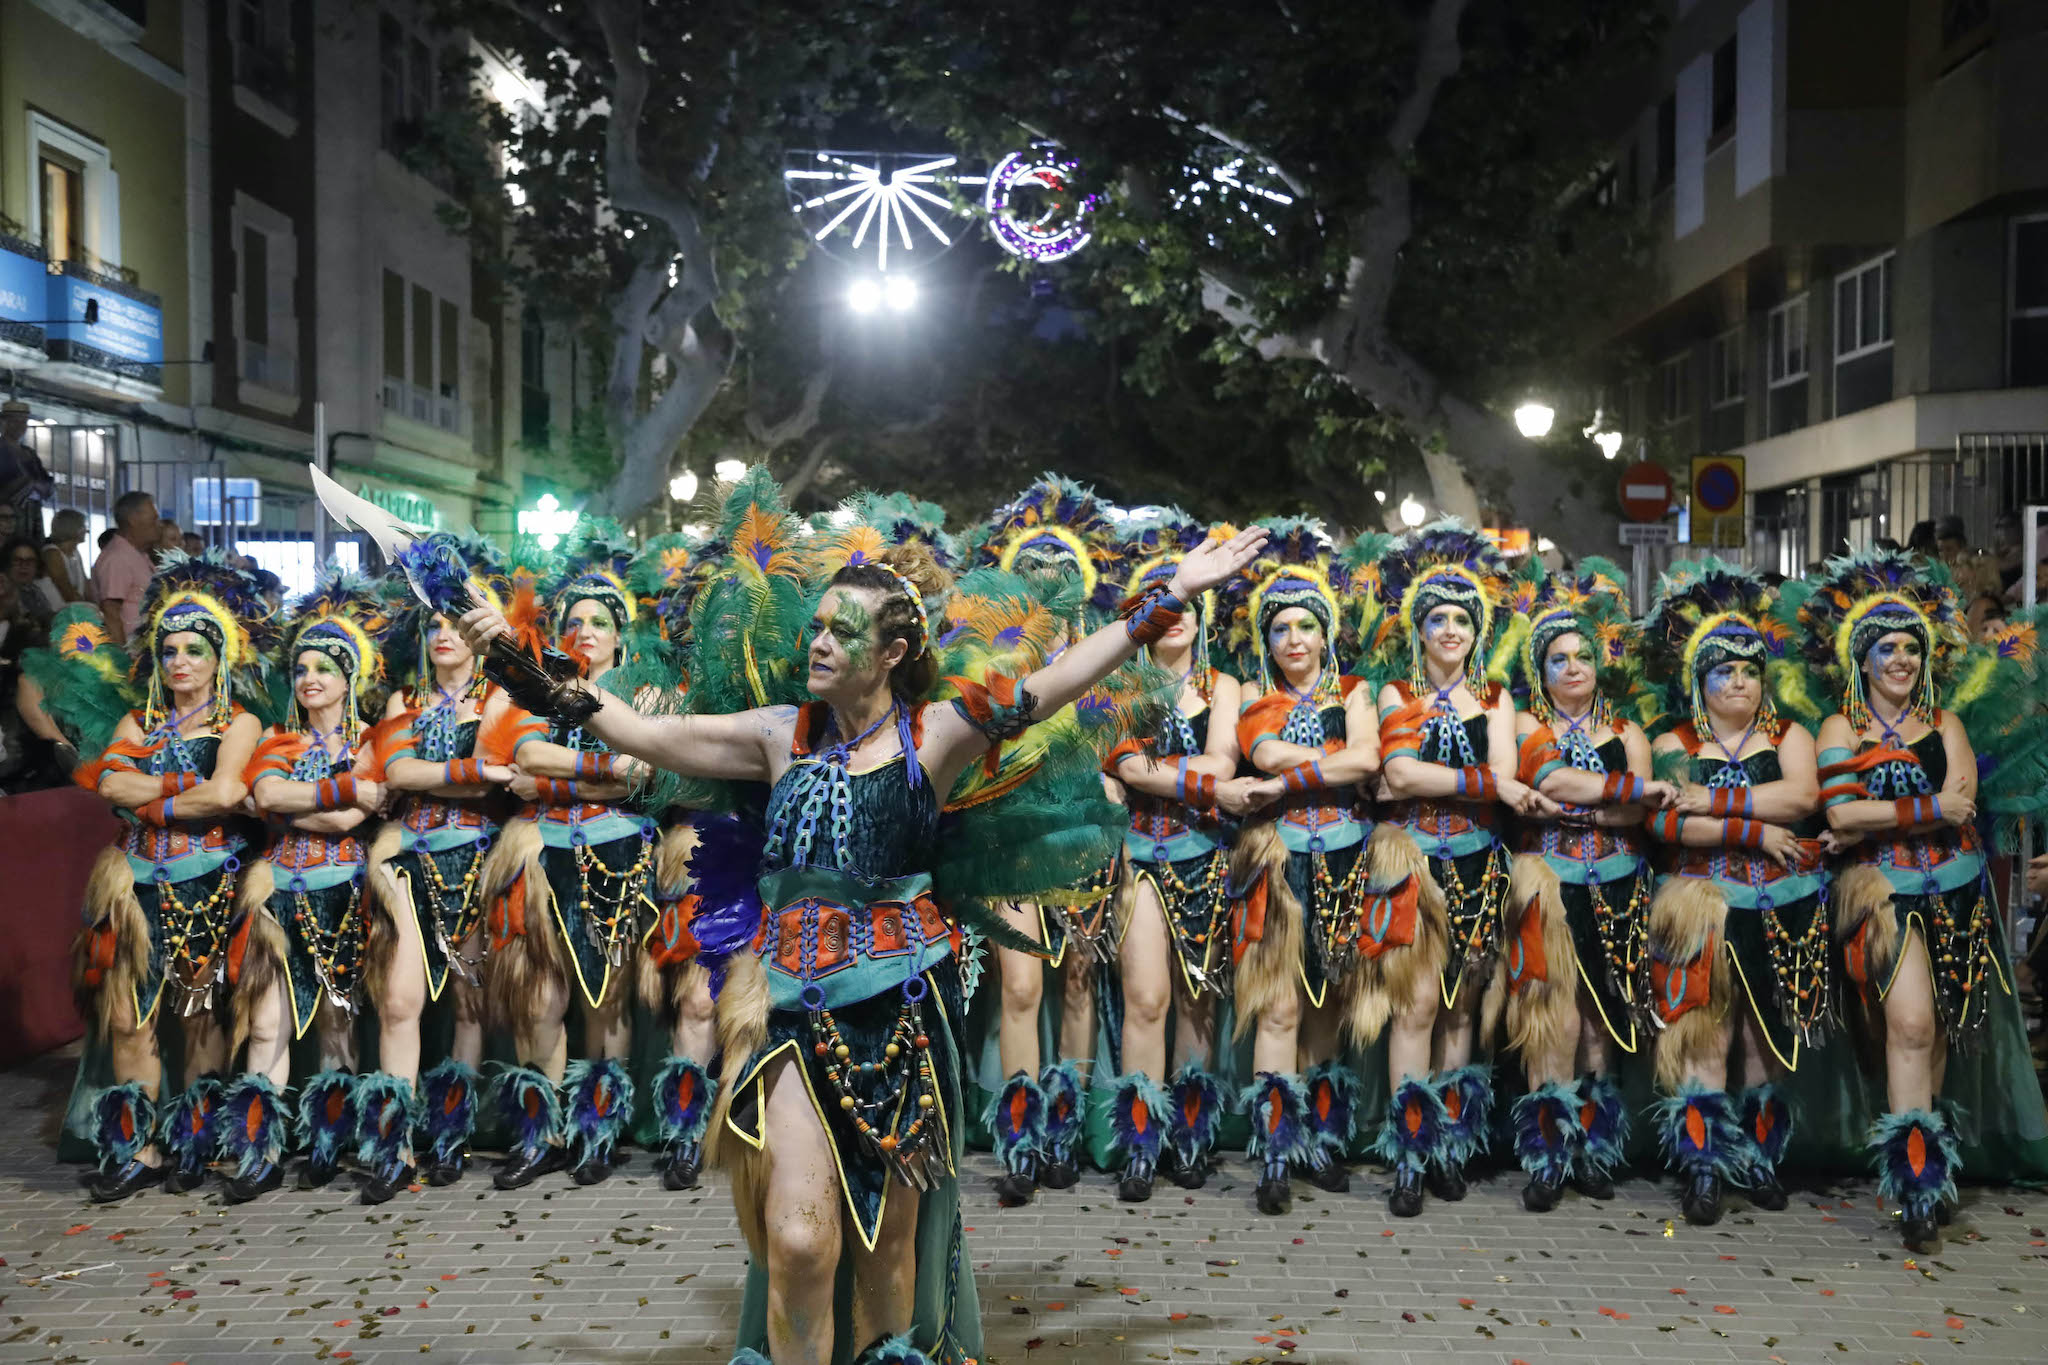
<point>1849,204</point>
<point>236,185</point>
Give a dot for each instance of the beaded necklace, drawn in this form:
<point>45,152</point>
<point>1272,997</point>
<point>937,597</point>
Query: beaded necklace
<point>823,791</point>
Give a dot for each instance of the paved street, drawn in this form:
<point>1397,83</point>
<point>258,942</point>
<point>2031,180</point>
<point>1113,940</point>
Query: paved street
<point>628,1273</point>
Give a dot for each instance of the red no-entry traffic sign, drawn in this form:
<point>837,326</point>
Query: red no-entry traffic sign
<point>1645,491</point>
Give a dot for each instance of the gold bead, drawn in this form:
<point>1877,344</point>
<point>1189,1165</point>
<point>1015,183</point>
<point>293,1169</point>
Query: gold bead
<point>842,1052</point>
<point>924,1101</point>
<point>846,1102</point>
<point>891,1050</point>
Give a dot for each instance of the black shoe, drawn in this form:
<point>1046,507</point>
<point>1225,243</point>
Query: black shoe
<point>1770,1195</point>
<point>379,1188</point>
<point>237,1189</point>
<point>110,1187</point>
<point>183,1179</point>
<point>316,1175</point>
<point>520,1169</point>
<point>681,1171</point>
<point>1332,1177</point>
<point>1134,1189</point>
<point>1446,1181</point>
<point>1591,1181</point>
<point>1275,1195</point>
<point>444,1173</point>
<point>1945,1212</point>
<point>1922,1235</point>
<point>1014,1188</point>
<point>594,1169</point>
<point>1702,1201</point>
<point>1405,1199</point>
<point>1540,1195</point>
<point>1188,1175</point>
<point>1059,1175</point>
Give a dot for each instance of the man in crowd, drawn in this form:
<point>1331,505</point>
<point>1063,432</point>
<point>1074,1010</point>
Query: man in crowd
<point>121,575</point>
<point>24,483</point>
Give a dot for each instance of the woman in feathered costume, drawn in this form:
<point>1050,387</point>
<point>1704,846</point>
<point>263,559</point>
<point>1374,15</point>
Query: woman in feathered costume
<point>1058,533</point>
<point>668,574</point>
<point>1172,908</point>
<point>839,1012</point>
<point>302,914</point>
<point>426,864</point>
<point>570,883</point>
<point>159,904</point>
<point>1447,745</point>
<point>1919,928</point>
<point>1738,936</point>
<point>1296,877</point>
<point>1575,967</point>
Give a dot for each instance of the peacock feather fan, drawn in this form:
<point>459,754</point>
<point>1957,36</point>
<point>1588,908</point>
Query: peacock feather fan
<point>84,678</point>
<point>902,518</point>
<point>747,622</point>
<point>1859,598</point>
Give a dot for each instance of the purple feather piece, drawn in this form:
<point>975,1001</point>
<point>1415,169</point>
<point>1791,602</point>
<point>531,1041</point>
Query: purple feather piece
<point>528,1107</point>
<point>1547,1129</point>
<point>1197,1105</point>
<point>435,566</point>
<point>1604,1116</point>
<point>723,868</point>
<point>1413,1134</point>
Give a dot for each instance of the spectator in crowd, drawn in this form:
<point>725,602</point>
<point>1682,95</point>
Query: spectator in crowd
<point>24,568</point>
<point>122,574</point>
<point>169,536</point>
<point>63,565</point>
<point>106,536</point>
<point>1973,571</point>
<point>24,484</point>
<point>1986,614</point>
<point>10,520</point>
<point>195,544</point>
<point>1920,540</point>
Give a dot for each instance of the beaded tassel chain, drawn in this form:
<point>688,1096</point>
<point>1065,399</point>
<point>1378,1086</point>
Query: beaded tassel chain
<point>336,951</point>
<point>197,933</point>
<point>873,1095</point>
<point>1624,937</point>
<point>1798,961</point>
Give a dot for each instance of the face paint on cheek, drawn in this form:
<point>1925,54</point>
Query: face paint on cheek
<point>855,630</point>
<point>1554,667</point>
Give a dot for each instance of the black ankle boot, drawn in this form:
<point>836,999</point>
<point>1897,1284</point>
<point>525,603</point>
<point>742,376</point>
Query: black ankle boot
<point>1591,1181</point>
<point>1134,1189</point>
<point>1188,1175</point>
<point>1447,1180</point>
<point>1015,1188</point>
<point>1330,1176</point>
<point>1702,1200</point>
<point>1921,1235</point>
<point>1275,1195</point>
<point>681,1170</point>
<point>184,1177</point>
<point>1769,1194</point>
<point>521,1168</point>
<point>1062,1174</point>
<point>594,1169</point>
<point>1405,1199</point>
<point>133,1175</point>
<point>445,1173</point>
<point>315,1174</point>
<point>1540,1195</point>
<point>237,1189</point>
<point>381,1186</point>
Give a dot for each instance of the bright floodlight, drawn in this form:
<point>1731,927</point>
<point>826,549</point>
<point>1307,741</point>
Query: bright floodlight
<point>683,486</point>
<point>1609,443</point>
<point>864,296</point>
<point>899,292</point>
<point>1412,511</point>
<point>1380,495</point>
<point>730,471</point>
<point>1533,420</point>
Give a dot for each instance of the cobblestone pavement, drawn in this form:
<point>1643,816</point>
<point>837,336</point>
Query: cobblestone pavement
<point>627,1273</point>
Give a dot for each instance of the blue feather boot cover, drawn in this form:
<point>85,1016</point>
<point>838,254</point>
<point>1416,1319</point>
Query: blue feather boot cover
<point>1195,1108</point>
<point>189,1133</point>
<point>893,1351</point>
<point>388,1109</point>
<point>530,1110</point>
<point>1066,1116</point>
<point>1468,1108</point>
<point>123,1121</point>
<point>600,1100</point>
<point>1332,1096</point>
<point>1917,1155</point>
<point>1278,1106</point>
<point>447,1120</point>
<point>683,1092</point>
<point>252,1128</point>
<point>327,1125</point>
<point>1603,1118</point>
<point>1767,1126</point>
<point>1548,1138</point>
<point>1138,1122</point>
<point>1703,1142</point>
<point>1016,1118</point>
<point>1412,1141</point>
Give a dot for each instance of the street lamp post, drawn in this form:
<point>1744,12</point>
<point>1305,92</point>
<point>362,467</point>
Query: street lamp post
<point>1412,512</point>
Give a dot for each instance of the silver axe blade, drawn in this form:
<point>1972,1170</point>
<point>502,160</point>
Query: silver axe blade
<point>360,514</point>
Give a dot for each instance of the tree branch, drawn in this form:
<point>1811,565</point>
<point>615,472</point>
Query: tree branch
<point>800,478</point>
<point>797,424</point>
<point>538,19</point>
